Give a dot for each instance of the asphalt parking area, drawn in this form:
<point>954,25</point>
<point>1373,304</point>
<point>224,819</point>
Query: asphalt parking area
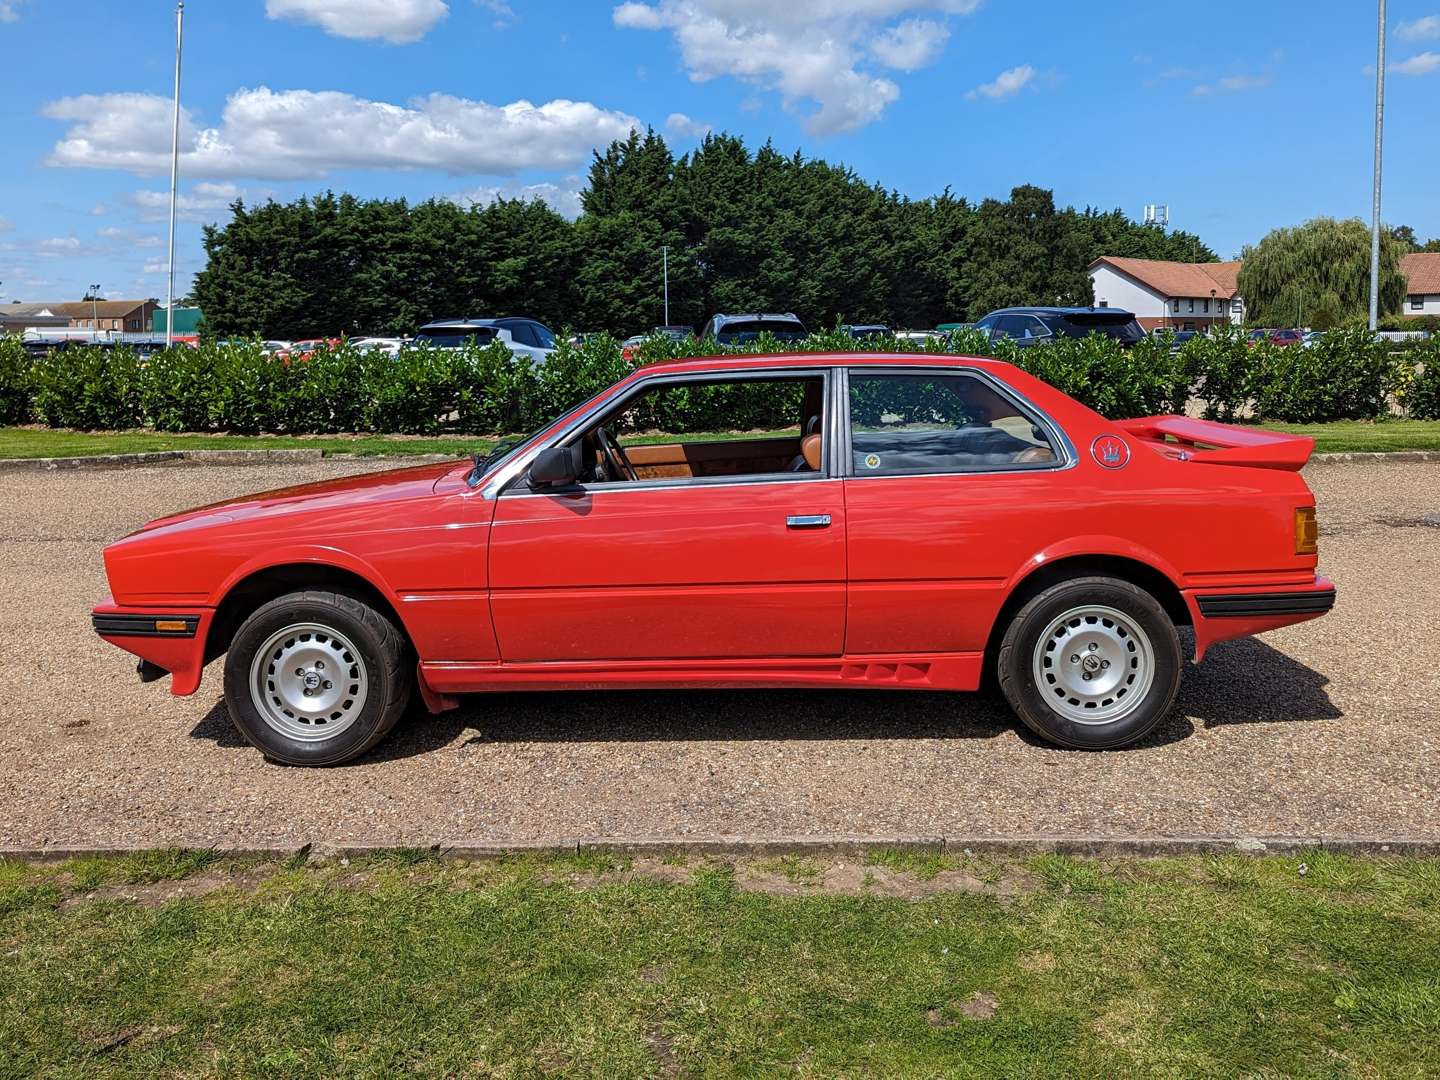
<point>1328,728</point>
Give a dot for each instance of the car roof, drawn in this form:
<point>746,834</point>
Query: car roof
<point>1059,311</point>
<point>503,322</point>
<point>728,362</point>
<point>755,316</point>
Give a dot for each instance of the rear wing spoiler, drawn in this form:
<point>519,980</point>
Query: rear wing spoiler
<point>1223,444</point>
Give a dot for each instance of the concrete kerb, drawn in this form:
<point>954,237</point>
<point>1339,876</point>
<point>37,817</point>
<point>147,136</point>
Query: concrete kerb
<point>1101,847</point>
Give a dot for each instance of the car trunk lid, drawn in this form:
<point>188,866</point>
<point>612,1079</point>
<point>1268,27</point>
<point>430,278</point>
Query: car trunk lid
<point>1222,444</point>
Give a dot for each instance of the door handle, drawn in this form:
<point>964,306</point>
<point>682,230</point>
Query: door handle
<point>808,521</point>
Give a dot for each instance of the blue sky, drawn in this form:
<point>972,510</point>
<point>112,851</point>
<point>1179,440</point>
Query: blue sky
<point>1242,116</point>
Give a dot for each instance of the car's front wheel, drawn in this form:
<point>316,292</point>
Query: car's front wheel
<point>1091,663</point>
<point>316,678</point>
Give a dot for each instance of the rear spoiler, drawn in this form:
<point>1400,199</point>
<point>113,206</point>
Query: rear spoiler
<point>1223,444</point>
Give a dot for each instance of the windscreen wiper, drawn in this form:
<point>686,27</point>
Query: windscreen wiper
<point>482,461</point>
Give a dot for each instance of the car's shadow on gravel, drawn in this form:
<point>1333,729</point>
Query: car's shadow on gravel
<point>1245,681</point>
<point>1240,682</point>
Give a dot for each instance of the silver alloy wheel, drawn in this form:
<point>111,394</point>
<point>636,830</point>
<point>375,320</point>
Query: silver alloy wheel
<point>1094,664</point>
<point>308,682</point>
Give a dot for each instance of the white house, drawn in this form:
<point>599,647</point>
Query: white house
<point>1422,283</point>
<point>1169,295</point>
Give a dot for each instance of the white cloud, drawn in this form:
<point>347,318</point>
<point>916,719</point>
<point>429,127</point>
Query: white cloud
<point>155,266</point>
<point>1006,84</point>
<point>565,201</point>
<point>204,202</point>
<point>682,126</point>
<point>111,233</point>
<point>810,52</point>
<point>1232,84</point>
<point>60,243</point>
<point>397,21</point>
<point>503,12</point>
<point>1421,29</point>
<point>10,10</point>
<point>306,134</point>
<point>1421,64</point>
<point>913,44</point>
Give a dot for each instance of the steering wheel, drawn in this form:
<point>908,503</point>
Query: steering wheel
<point>615,458</point>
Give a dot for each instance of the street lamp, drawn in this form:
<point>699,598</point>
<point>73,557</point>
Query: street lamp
<point>1379,141</point>
<point>95,310</point>
<point>665,264</point>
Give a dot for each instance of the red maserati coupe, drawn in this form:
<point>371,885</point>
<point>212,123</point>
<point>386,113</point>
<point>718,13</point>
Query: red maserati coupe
<point>922,520</point>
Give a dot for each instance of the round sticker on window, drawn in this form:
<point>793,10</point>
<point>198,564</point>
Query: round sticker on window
<point>872,461</point>
<point>1110,451</point>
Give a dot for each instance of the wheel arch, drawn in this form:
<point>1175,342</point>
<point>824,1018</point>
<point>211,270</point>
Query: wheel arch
<point>261,585</point>
<point>1043,573</point>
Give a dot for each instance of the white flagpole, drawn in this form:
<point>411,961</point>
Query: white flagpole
<point>174,180</point>
<point>1379,142</point>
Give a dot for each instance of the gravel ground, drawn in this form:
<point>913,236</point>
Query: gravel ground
<point>1328,728</point>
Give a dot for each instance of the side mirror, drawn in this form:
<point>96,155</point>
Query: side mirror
<point>554,467</point>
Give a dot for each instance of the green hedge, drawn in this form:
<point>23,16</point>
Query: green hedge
<point>240,388</point>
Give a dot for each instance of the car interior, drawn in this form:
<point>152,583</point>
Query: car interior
<point>906,423</point>
<point>624,446</point>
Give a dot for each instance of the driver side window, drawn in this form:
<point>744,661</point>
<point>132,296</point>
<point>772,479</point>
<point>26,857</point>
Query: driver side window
<point>711,430</point>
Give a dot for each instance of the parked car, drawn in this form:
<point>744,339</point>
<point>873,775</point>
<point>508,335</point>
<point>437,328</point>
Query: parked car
<point>674,333</point>
<point>1035,325</point>
<point>952,517</point>
<point>305,348</point>
<point>743,329</point>
<point>866,330</point>
<point>1313,337</point>
<point>389,346</point>
<point>1284,338</point>
<point>523,337</point>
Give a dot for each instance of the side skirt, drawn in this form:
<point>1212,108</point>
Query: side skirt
<point>945,671</point>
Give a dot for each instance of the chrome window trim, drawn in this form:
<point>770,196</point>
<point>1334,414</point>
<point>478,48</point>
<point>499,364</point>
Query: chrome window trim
<point>515,468</point>
<point>1059,439</point>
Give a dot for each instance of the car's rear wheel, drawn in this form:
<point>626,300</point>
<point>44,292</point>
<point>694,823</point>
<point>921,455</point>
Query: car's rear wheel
<point>1091,663</point>
<point>316,678</point>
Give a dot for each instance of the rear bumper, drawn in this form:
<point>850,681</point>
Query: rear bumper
<point>1221,615</point>
<point>166,639</point>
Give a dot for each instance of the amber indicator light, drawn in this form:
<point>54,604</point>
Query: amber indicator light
<point>177,626</point>
<point>1306,531</point>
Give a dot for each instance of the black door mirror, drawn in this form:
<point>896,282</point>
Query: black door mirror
<point>554,467</point>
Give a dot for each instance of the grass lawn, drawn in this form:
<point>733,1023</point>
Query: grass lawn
<point>29,442</point>
<point>1361,435</point>
<point>174,963</point>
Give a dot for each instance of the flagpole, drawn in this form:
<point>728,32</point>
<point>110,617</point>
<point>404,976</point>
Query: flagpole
<point>1379,142</point>
<point>174,180</point>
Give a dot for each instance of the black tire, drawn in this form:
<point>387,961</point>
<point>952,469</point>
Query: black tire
<point>1015,665</point>
<point>378,645</point>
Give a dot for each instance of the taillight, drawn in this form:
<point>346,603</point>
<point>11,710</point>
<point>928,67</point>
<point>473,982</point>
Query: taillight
<point>1307,533</point>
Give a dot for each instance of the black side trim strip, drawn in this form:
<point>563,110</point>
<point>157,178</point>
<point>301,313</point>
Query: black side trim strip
<point>143,625</point>
<point>1236,605</point>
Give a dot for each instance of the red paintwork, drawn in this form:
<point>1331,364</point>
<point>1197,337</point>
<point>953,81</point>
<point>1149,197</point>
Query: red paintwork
<point>705,585</point>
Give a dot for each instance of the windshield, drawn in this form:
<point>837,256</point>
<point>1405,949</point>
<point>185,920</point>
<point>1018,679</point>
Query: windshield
<point>746,331</point>
<point>1119,325</point>
<point>452,337</point>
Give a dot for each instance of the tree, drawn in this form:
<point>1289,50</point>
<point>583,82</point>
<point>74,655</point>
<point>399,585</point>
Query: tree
<point>746,231</point>
<point>1318,274</point>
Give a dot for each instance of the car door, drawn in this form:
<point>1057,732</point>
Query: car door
<point>671,568</point>
<point>942,509</point>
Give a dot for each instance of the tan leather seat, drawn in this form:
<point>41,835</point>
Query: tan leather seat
<point>810,450</point>
<point>1034,455</point>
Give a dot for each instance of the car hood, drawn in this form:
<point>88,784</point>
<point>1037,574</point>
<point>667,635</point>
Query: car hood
<point>391,485</point>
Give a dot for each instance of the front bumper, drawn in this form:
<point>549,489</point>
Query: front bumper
<point>1224,614</point>
<point>167,640</point>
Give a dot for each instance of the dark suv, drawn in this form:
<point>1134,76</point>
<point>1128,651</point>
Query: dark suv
<point>743,329</point>
<point>1033,325</point>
